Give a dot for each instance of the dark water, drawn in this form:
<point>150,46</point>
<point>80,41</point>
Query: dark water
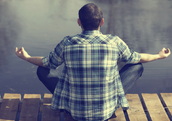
<point>38,25</point>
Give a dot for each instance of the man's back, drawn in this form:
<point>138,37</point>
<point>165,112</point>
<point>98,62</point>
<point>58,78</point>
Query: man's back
<point>90,86</point>
<point>91,71</point>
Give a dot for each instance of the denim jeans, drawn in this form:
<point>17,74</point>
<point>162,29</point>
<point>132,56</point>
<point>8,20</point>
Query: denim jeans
<point>129,74</point>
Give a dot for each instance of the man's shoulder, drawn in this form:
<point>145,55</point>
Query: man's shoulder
<point>112,38</point>
<point>69,40</point>
<point>77,39</point>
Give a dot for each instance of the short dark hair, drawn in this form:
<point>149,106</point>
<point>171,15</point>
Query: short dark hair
<point>90,16</point>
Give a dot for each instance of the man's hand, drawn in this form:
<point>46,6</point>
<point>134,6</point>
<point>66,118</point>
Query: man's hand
<point>164,53</point>
<point>145,57</point>
<point>21,53</point>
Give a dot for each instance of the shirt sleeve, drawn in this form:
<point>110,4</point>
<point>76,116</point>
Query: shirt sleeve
<point>126,54</point>
<point>55,58</point>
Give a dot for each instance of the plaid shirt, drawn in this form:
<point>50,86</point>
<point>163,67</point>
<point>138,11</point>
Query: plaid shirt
<point>90,88</point>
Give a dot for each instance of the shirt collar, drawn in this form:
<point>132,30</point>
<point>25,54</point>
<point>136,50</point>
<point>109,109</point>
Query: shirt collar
<point>90,32</point>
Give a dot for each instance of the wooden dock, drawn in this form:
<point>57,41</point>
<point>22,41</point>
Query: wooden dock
<point>144,107</point>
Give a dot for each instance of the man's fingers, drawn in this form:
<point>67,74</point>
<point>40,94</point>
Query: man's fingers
<point>167,50</point>
<point>22,48</point>
<point>16,49</point>
<point>19,51</point>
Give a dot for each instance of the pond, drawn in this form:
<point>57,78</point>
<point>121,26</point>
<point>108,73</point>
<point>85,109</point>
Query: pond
<point>38,25</point>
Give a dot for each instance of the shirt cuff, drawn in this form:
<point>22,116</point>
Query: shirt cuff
<point>135,57</point>
<point>138,57</point>
<point>45,61</point>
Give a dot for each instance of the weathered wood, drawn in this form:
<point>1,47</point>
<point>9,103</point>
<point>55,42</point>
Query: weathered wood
<point>167,101</point>
<point>30,107</point>
<point>135,112</point>
<point>9,107</point>
<point>155,109</point>
<point>47,113</point>
<point>118,116</point>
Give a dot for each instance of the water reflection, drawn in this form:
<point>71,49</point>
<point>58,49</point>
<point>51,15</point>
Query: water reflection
<point>9,29</point>
<point>146,27</point>
<point>138,23</point>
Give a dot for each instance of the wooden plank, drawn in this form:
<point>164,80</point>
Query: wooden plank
<point>9,107</point>
<point>135,112</point>
<point>47,113</point>
<point>30,107</point>
<point>167,101</point>
<point>119,115</point>
<point>155,109</point>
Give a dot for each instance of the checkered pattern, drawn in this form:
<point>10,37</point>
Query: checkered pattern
<point>90,88</point>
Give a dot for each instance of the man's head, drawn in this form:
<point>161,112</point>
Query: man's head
<point>90,17</point>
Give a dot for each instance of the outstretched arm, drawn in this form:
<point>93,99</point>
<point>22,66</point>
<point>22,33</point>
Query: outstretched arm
<point>21,53</point>
<point>151,57</point>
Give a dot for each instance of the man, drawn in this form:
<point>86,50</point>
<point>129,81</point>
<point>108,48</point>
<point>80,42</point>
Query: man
<point>90,87</point>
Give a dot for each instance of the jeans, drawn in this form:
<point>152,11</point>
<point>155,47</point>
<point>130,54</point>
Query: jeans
<point>129,74</point>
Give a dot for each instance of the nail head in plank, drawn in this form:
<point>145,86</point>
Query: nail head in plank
<point>9,107</point>
<point>47,113</point>
<point>155,109</point>
<point>30,107</point>
<point>135,112</point>
<point>167,101</point>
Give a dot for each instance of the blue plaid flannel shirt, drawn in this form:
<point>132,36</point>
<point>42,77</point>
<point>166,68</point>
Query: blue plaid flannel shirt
<point>90,88</point>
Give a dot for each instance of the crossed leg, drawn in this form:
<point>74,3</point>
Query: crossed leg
<point>129,74</point>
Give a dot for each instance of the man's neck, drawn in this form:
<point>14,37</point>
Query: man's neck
<point>96,29</point>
